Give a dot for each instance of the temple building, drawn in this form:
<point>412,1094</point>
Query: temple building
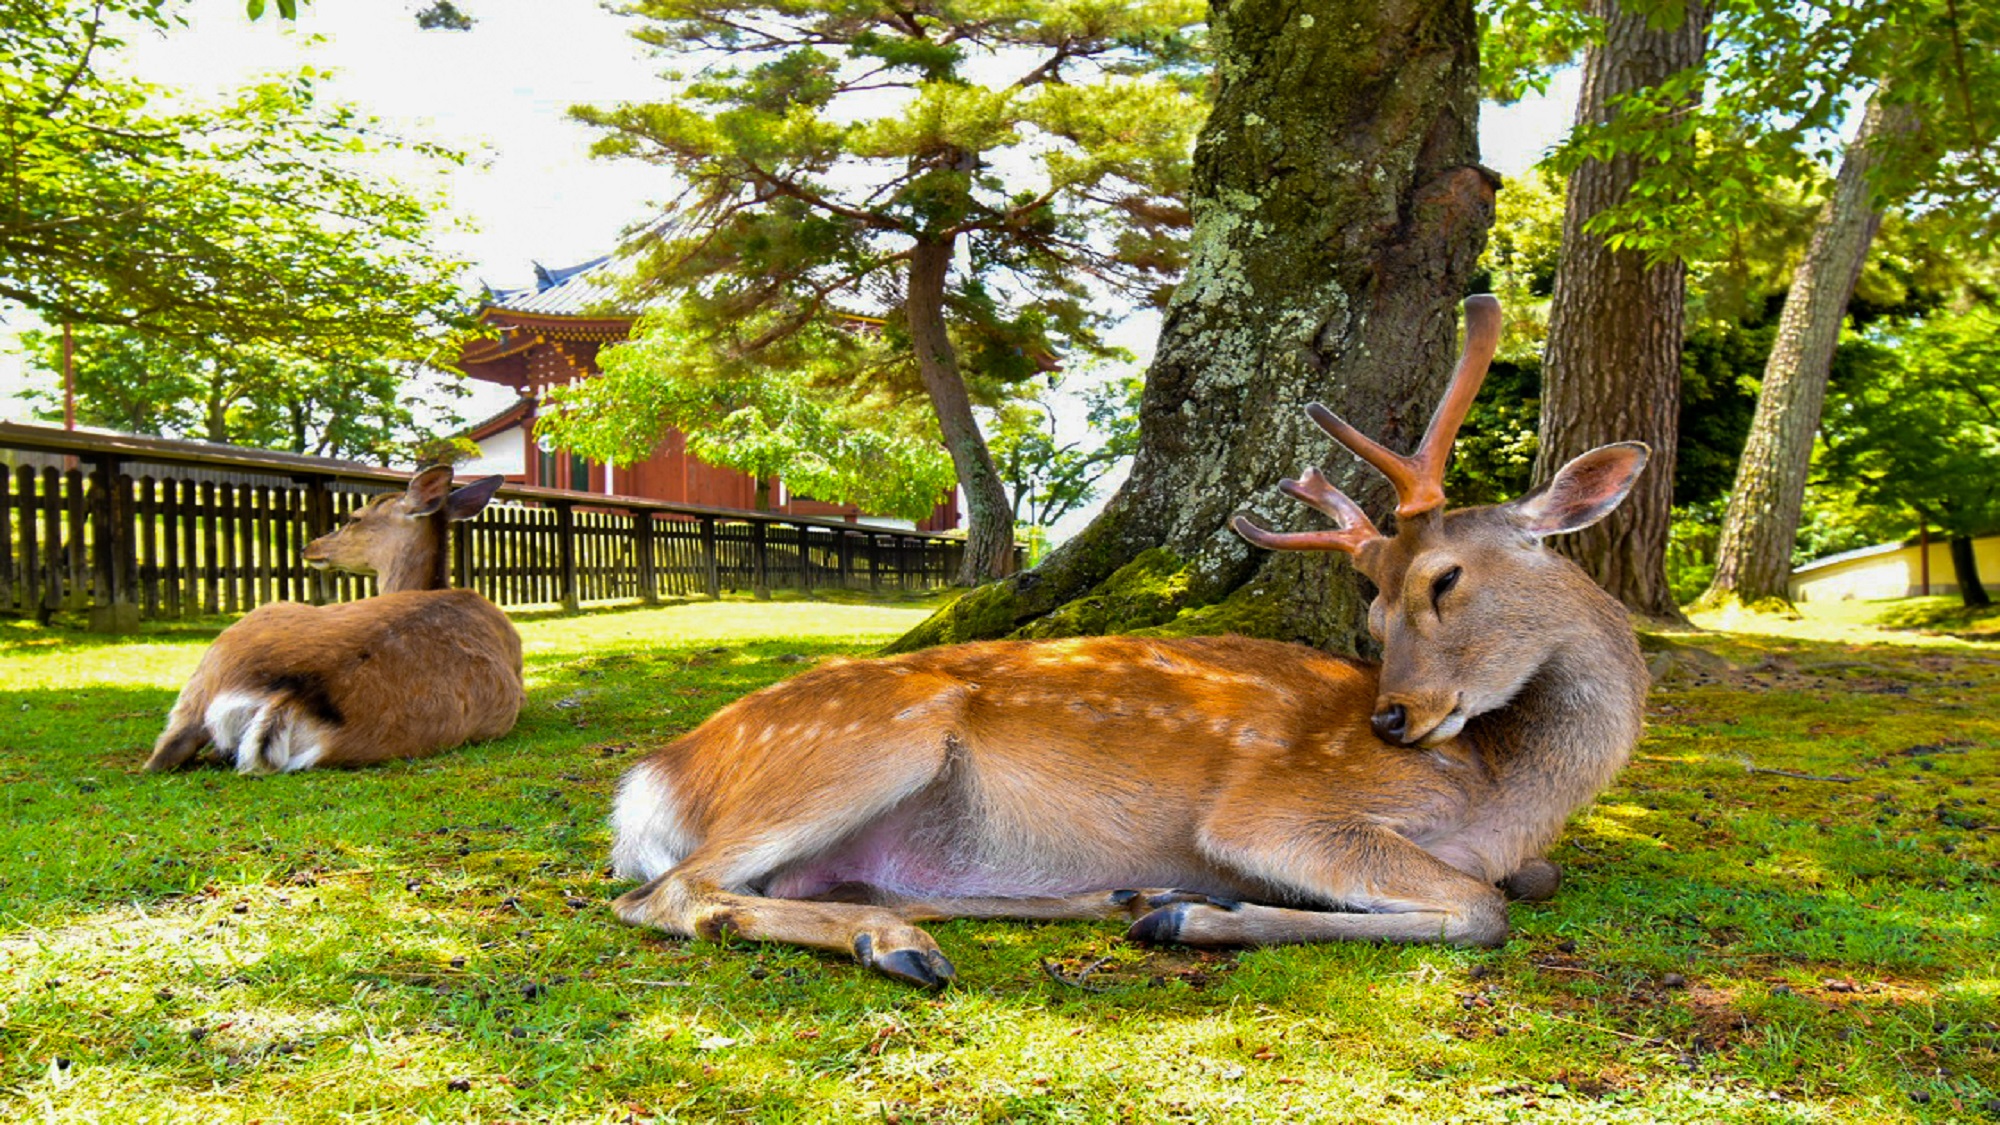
<point>548,334</point>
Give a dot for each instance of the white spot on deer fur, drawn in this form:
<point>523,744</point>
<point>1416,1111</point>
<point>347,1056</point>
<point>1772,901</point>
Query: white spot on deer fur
<point>647,831</point>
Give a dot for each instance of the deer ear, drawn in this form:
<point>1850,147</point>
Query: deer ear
<point>1583,492</point>
<point>428,490</point>
<point>467,502</point>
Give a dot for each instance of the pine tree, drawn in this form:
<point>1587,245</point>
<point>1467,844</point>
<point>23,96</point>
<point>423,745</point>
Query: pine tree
<point>987,178</point>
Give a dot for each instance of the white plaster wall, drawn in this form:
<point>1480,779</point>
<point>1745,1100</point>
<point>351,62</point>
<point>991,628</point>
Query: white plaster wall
<point>505,453</point>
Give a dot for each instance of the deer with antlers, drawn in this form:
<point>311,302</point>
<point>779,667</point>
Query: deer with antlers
<point>417,669</point>
<point>1212,791</point>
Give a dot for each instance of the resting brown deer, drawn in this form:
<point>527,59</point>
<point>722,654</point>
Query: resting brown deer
<point>418,669</point>
<point>1216,791</point>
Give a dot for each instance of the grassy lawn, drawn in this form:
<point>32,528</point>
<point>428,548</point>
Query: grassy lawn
<point>1783,912</point>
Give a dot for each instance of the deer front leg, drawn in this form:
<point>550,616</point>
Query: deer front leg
<point>686,903</point>
<point>1089,906</point>
<point>1408,894</point>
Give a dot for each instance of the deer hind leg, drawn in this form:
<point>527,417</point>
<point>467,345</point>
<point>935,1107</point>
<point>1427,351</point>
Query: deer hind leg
<point>707,883</point>
<point>184,737</point>
<point>690,902</point>
<point>1409,896</point>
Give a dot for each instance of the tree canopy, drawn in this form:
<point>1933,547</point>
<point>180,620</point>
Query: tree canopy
<point>1915,422</point>
<point>359,407</point>
<point>252,220</point>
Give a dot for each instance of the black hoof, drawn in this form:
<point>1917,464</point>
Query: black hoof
<point>1161,927</point>
<point>923,968</point>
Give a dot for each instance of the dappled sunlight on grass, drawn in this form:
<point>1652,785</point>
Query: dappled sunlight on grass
<point>1738,938</point>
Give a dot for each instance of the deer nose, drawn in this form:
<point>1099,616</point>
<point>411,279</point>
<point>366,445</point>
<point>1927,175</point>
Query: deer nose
<point>1391,723</point>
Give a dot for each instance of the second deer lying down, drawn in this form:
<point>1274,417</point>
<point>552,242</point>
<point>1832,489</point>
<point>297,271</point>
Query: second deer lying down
<point>1214,791</point>
<point>418,669</point>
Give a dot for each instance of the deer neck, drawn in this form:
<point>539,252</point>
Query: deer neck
<point>1557,744</point>
<point>421,566</point>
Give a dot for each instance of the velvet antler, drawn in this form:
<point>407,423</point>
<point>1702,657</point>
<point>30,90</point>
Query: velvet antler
<point>1355,530</point>
<point>1419,478</point>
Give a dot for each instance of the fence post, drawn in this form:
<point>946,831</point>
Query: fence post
<point>112,607</point>
<point>461,555</point>
<point>6,540</point>
<point>572,600</point>
<point>759,569</point>
<point>711,559</point>
<point>52,545</point>
<point>642,545</point>
<point>319,521</point>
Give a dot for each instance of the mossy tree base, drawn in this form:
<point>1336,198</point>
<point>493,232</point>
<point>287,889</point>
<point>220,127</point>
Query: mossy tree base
<point>1731,604</point>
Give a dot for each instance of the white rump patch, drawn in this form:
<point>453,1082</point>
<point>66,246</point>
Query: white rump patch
<point>261,738</point>
<point>294,743</point>
<point>647,835</point>
<point>232,715</point>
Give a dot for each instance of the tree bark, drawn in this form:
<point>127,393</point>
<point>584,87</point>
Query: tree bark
<point>1754,558</point>
<point>989,539</point>
<point>1338,211</point>
<point>1965,570</point>
<point>1612,368</point>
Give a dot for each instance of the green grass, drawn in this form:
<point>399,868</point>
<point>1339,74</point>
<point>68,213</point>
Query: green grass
<point>430,940</point>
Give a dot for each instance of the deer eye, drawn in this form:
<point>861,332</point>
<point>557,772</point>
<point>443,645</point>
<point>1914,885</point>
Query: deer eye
<point>1444,583</point>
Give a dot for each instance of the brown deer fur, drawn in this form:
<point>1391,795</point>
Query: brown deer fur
<point>419,669</point>
<point>1215,791</point>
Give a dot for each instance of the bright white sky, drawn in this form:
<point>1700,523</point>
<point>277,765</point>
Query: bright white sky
<point>502,92</point>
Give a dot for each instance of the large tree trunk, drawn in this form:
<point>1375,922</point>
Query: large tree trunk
<point>1754,559</point>
<point>1338,210</point>
<point>1965,570</point>
<point>989,539</point>
<point>1612,369</point>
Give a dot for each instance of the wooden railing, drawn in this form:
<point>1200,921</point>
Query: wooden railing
<point>127,528</point>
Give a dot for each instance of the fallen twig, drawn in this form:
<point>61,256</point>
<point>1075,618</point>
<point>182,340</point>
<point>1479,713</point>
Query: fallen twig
<point>1569,969</point>
<point>1078,981</point>
<point>1839,777</point>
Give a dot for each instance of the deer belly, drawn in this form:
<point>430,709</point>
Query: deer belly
<point>914,856</point>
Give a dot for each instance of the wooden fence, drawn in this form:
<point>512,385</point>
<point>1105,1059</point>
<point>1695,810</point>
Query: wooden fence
<point>128,528</point>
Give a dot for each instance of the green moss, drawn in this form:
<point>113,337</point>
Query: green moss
<point>1150,590</point>
<point>1250,611</point>
<point>979,614</point>
<point>1732,605</point>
